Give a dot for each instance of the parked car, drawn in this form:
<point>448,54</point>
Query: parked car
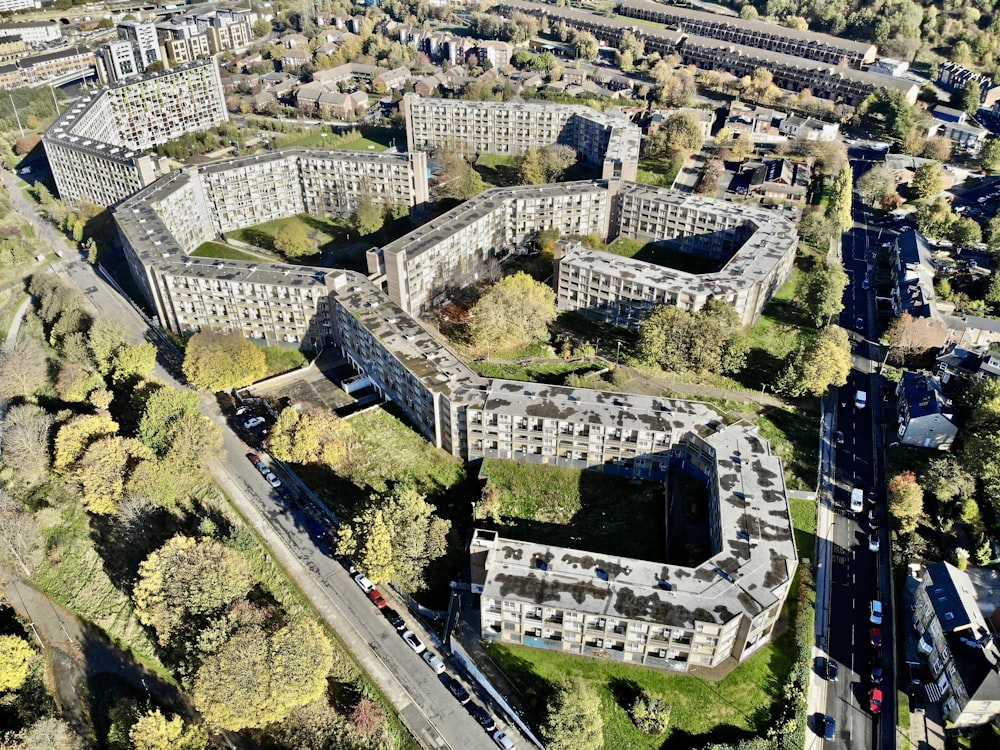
<point>456,688</point>
<point>875,700</point>
<point>394,618</point>
<point>363,583</point>
<point>253,422</point>
<point>839,438</point>
<point>377,599</point>
<point>433,661</point>
<point>482,716</point>
<point>875,636</point>
<point>831,670</point>
<point>273,479</point>
<point>414,642</point>
<point>873,519</point>
<point>873,543</point>
<point>503,741</point>
<point>829,728</point>
<point>875,612</point>
<point>876,672</point>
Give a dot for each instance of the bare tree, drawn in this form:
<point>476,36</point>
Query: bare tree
<point>18,533</point>
<point>26,442</point>
<point>24,369</point>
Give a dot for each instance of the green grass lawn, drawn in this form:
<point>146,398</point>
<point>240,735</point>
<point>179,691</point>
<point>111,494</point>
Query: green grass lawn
<point>658,172</point>
<point>701,711</point>
<point>794,436</point>
<point>804,523</point>
<point>225,252</point>
<point>662,255</point>
<point>580,509</point>
<point>553,373</point>
<point>281,360</point>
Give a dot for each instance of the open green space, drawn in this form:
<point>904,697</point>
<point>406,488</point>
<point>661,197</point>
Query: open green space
<point>662,254</point>
<point>499,170</point>
<point>580,509</point>
<point>659,172</point>
<point>553,373</point>
<point>323,136</point>
<point>223,252</point>
<point>702,712</point>
<point>804,522</point>
<point>794,436</point>
<point>279,359</point>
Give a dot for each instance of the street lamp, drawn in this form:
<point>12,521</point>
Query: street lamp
<point>618,352</point>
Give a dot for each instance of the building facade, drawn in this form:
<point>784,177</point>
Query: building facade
<point>925,416</point>
<point>98,148</point>
<point>32,33</point>
<point>473,127</point>
<point>959,646</point>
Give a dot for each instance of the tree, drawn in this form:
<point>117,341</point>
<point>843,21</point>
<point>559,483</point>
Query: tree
<point>824,292</point>
<point>947,479</point>
<point>24,370</point>
<point>154,731</point>
<point>934,218</point>
<point>743,147</point>
<point>368,217</point>
<point>531,170</point>
<point>367,717</point>
<point>292,240</point>
<point>710,339</point>
<point>261,28</point>
<point>965,232</point>
<point>76,435</point>
<point>515,312</point>
<point>902,340</point>
<point>105,337</point>
<point>937,148</point>
<point>989,156</point>
<point>824,362</point>
<point>257,679</point>
<point>51,734</point>
<point>682,133</point>
<point>556,159</point>
<point>992,294</point>
<point>196,441</point>
<point>906,501</point>
<point>969,98</point>
<point>586,45</point>
<point>163,409</point>
<point>927,181</point>
<point>26,443</point>
<point>650,713</point>
<point>993,233</point>
<point>16,655</point>
<point>888,113</point>
<point>218,362</point>
<point>875,184</point>
<point>188,578</point>
<point>574,719</point>
<point>961,558</point>
<point>314,436</point>
<point>838,210</point>
<point>105,467</point>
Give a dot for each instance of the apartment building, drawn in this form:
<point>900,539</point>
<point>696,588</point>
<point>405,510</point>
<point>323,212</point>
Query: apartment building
<point>32,33</point>
<point>97,149</point>
<point>194,36</point>
<point>824,70</point>
<point>6,6</point>
<point>473,127</point>
<point>37,69</point>
<point>959,645</point>
<point>953,76</point>
<point>754,248</point>
<point>810,45</point>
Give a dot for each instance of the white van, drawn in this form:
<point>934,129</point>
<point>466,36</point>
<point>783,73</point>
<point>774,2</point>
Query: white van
<point>857,499</point>
<point>860,400</point>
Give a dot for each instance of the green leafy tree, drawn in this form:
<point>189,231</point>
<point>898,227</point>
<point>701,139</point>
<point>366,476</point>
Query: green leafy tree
<point>934,218</point>
<point>261,28</point>
<point>218,362</point>
<point>838,210</point>
<point>906,501</point>
<point>368,217</point>
<point>968,98</point>
<point>969,514</point>
<point>372,541</point>
<point>531,170</point>
<point>888,113</point>
<point>710,339</point>
<point>556,159</point>
<point>188,578</point>
<point>292,240</point>
<point>992,294</point>
<point>154,731</point>
<point>105,467</point>
<point>743,148</point>
<point>257,679</point>
<point>161,413</point>
<point>875,184</point>
<point>515,312</point>
<point>650,713</point>
<point>105,337</point>
<point>16,655</point>
<point>196,441</point>
<point>574,719</point>
<point>824,292</point>
<point>965,232</point>
<point>314,436</point>
<point>586,45</point>
<point>993,233</point>
<point>947,479</point>
<point>76,435</point>
<point>989,156</point>
<point>927,181</point>
<point>824,362</point>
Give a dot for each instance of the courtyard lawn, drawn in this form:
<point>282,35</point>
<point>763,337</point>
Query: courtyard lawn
<point>662,255</point>
<point>223,252</point>
<point>281,360</point>
<point>702,712</point>
<point>804,523</point>
<point>659,172</point>
<point>579,509</point>
<point>553,373</point>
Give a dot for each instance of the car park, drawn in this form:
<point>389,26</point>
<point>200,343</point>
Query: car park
<point>831,670</point>
<point>875,700</point>
<point>363,583</point>
<point>876,672</point>
<point>829,728</point>
<point>394,618</point>
<point>875,612</point>
<point>503,741</point>
<point>377,599</point>
<point>253,422</point>
<point>433,661</point>
<point>456,689</point>
<point>414,642</point>
<point>875,636</point>
<point>873,543</point>
<point>482,716</point>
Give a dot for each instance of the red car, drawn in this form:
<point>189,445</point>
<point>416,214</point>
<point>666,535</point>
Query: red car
<point>876,637</point>
<point>377,599</point>
<point>875,700</point>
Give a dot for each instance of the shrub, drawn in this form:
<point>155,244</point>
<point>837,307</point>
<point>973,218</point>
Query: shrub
<point>650,713</point>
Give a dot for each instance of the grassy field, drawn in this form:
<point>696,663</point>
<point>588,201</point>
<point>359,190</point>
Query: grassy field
<point>322,136</point>
<point>804,523</point>
<point>585,510</point>
<point>701,711</point>
<point>553,373</point>
<point>658,172</point>
<point>224,252</point>
<point>281,360</point>
<point>661,255</point>
<point>794,436</point>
